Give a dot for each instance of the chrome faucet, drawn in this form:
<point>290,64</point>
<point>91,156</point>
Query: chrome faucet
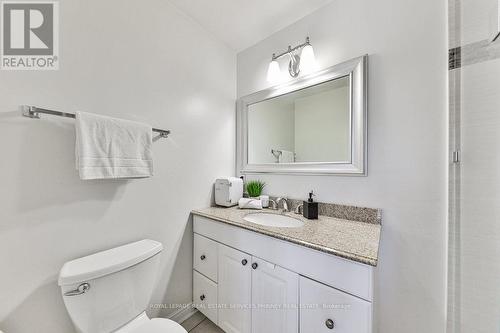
<point>274,205</point>
<point>285,204</point>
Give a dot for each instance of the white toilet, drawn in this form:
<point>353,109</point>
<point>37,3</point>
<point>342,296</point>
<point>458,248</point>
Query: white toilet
<point>109,291</point>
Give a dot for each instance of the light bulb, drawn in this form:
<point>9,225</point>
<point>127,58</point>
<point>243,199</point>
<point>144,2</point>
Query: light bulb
<point>273,72</point>
<point>307,60</point>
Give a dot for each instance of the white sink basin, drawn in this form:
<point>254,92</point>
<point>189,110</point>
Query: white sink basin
<point>274,220</point>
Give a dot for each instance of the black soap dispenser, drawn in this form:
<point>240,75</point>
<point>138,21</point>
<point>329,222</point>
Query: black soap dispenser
<point>310,208</point>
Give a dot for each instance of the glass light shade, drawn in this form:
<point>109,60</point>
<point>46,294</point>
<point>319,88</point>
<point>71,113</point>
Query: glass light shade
<point>273,72</point>
<point>307,60</point>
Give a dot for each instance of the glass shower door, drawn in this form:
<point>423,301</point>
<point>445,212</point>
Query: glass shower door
<point>474,230</point>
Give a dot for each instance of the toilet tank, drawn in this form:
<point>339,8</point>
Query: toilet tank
<point>121,281</point>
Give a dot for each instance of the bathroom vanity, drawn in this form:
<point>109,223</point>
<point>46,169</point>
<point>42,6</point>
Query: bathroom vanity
<point>249,277</point>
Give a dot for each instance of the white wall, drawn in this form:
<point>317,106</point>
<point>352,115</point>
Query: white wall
<point>137,60</point>
<point>407,161</point>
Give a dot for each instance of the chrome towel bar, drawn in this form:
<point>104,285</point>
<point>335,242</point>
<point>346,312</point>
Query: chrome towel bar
<point>34,112</point>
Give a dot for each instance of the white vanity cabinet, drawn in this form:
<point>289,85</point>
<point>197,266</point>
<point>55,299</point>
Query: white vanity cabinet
<point>205,256</point>
<point>253,295</point>
<point>266,285</point>
<point>275,296</point>
<point>335,311</point>
<point>206,296</point>
<point>235,292</point>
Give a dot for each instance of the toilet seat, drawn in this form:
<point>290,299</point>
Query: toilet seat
<point>159,325</point>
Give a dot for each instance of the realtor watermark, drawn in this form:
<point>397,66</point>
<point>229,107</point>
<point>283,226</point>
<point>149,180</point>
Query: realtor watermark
<point>260,306</point>
<point>29,35</point>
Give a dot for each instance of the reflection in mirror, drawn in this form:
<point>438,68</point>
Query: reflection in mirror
<point>308,125</point>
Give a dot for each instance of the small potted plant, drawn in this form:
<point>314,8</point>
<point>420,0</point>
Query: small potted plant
<point>254,188</point>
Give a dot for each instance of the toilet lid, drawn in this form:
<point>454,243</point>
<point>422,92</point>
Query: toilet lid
<point>160,325</point>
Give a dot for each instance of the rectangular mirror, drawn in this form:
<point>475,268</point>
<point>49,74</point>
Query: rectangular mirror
<point>315,124</point>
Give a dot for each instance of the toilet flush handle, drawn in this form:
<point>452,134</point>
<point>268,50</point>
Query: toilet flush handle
<point>82,289</point>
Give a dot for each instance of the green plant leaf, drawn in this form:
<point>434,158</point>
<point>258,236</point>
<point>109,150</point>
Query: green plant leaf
<point>254,187</point>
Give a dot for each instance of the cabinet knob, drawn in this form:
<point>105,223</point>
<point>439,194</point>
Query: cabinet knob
<point>202,297</point>
<point>254,265</point>
<point>244,262</point>
<point>330,324</point>
<point>203,257</point>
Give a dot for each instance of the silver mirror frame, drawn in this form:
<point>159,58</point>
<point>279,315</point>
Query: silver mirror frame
<point>357,70</point>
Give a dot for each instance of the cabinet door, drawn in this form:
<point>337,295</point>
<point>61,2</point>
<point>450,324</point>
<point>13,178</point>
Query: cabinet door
<point>234,290</point>
<point>325,309</point>
<point>275,297</point>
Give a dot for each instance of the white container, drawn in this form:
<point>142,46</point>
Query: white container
<point>228,191</point>
<point>265,201</point>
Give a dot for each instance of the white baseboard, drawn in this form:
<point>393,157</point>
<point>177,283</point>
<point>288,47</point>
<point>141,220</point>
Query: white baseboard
<point>183,313</point>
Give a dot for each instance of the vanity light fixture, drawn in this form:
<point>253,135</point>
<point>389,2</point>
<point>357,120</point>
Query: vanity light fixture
<point>305,63</point>
<point>274,71</point>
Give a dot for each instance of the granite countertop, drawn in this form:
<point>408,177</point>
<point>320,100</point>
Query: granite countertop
<point>353,240</point>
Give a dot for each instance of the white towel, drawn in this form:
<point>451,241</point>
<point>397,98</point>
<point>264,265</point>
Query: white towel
<point>286,157</point>
<point>112,148</point>
<point>248,203</point>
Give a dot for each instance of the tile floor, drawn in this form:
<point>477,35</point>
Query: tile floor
<point>198,323</point>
